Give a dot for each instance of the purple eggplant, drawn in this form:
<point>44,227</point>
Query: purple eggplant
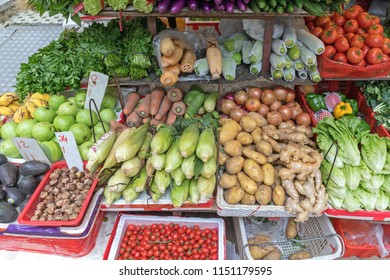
<point>177,6</point>
<point>246,1</point>
<point>192,4</point>
<point>206,7</point>
<point>218,2</point>
<point>241,5</point>
<point>163,6</point>
<point>219,7</point>
<point>229,6</point>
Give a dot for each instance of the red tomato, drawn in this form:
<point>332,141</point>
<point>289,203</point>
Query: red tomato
<point>354,55</point>
<point>374,40</point>
<point>321,21</point>
<point>358,8</point>
<point>351,25</point>
<point>360,31</point>
<point>310,19</point>
<point>341,44</point>
<point>339,19</point>
<point>330,24</point>
<point>349,36</point>
<point>376,20</point>
<point>310,25</point>
<point>386,46</point>
<point>329,36</point>
<point>351,13</point>
<point>375,56</point>
<point>340,31</point>
<point>330,51</point>
<point>386,58</point>
<point>365,50</point>
<point>375,28</point>
<point>365,20</point>
<point>357,41</point>
<point>364,35</point>
<point>317,31</point>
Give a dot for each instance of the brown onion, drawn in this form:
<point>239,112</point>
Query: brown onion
<point>268,97</point>
<point>227,105</point>
<point>275,106</point>
<point>290,95</point>
<point>274,118</point>
<point>236,114</point>
<point>286,112</point>
<point>240,97</point>
<point>252,104</point>
<point>303,119</point>
<point>295,111</point>
<point>264,109</point>
<point>280,93</point>
<point>254,92</point>
<point>293,104</point>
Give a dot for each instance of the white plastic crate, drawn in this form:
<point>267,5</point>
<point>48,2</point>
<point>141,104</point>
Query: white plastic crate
<point>330,247</point>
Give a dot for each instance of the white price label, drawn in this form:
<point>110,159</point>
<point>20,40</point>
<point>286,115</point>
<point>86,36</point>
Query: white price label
<point>97,84</point>
<point>30,149</point>
<point>69,149</point>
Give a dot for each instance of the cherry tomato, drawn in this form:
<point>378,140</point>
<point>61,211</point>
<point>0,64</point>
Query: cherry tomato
<point>153,227</point>
<point>351,26</point>
<point>340,57</point>
<point>386,46</point>
<point>386,58</point>
<point>354,55</point>
<point>375,56</point>
<point>321,21</point>
<point>340,31</point>
<point>330,24</point>
<point>317,31</point>
<point>339,19</point>
<point>196,256</point>
<point>375,28</point>
<point>122,251</point>
<point>131,227</point>
<point>357,41</point>
<point>214,257</point>
<point>121,258</point>
<point>351,13</point>
<point>126,255</point>
<point>214,238</point>
<point>138,228</point>
<point>365,20</point>
<point>374,40</point>
<point>156,253</point>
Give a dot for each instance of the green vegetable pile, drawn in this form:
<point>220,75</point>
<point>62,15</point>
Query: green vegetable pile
<point>54,7</point>
<point>66,61</point>
<point>360,179</point>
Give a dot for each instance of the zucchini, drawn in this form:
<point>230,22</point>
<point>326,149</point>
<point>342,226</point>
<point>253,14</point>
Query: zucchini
<point>282,3</point>
<point>279,47</point>
<point>298,3</point>
<point>275,73</point>
<point>266,8</point>
<point>310,41</point>
<point>289,36</point>
<point>254,7</point>
<point>260,3</point>
<point>277,61</point>
<point>272,3</point>
<point>315,8</point>
<point>290,7</point>
<point>271,10</point>
<point>289,74</point>
<point>279,9</point>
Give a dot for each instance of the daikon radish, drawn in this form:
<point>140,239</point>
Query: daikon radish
<point>173,68</point>
<point>187,62</point>
<point>167,47</point>
<point>173,59</point>
<point>169,78</point>
<point>214,60</point>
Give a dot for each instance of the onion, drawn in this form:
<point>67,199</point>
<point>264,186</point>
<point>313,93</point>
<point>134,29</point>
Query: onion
<point>252,104</point>
<point>223,116</point>
<point>303,119</point>
<point>274,118</point>
<point>293,104</point>
<point>254,92</point>
<point>280,93</point>
<point>275,106</point>
<point>268,97</point>
<point>295,111</point>
<point>264,109</point>
<point>286,112</point>
<point>237,113</point>
<point>240,97</point>
<point>227,105</point>
<point>229,95</point>
<point>290,95</point>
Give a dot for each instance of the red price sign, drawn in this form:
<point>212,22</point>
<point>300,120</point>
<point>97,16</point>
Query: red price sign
<point>97,84</point>
<point>30,149</point>
<point>69,149</point>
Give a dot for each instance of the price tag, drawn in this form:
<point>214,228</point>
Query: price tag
<point>30,149</point>
<point>97,85</point>
<point>69,149</point>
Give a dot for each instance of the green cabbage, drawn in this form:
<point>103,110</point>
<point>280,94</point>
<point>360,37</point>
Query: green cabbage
<point>351,203</point>
<point>386,185</point>
<point>145,6</point>
<point>374,152</point>
<point>366,198</point>
<point>117,5</point>
<point>93,7</point>
<point>337,175</point>
<point>334,190</point>
<point>335,201</point>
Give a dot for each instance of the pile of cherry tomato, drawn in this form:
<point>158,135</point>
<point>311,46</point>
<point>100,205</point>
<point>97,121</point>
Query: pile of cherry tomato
<point>168,242</point>
<point>356,37</point>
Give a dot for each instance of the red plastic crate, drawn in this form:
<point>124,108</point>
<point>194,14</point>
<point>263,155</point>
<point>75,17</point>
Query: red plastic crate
<point>28,211</point>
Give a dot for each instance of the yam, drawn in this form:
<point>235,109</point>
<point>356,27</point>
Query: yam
<point>248,199</point>
<point>269,174</point>
<point>264,147</point>
<point>234,165</point>
<point>248,123</point>
<point>233,148</point>
<point>234,195</point>
<point>253,170</point>
<point>301,255</point>
<point>278,195</point>
<point>249,153</point>
<point>247,183</point>
<point>227,181</point>
<point>260,120</point>
<point>257,134</point>
<point>291,229</point>
<point>263,194</point>
<point>275,254</point>
<point>228,131</point>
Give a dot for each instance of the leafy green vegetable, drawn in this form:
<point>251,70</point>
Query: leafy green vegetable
<point>54,7</point>
<point>374,152</point>
<point>382,201</point>
<point>366,198</point>
<point>337,175</point>
<point>352,176</point>
<point>93,7</point>
<point>145,6</point>
<point>335,190</point>
<point>117,5</point>
<point>351,203</point>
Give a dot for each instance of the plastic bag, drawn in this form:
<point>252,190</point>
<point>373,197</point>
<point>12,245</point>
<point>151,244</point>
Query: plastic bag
<point>254,28</point>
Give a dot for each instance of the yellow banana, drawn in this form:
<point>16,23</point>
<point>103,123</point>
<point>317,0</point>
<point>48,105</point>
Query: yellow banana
<point>39,102</point>
<point>7,98</point>
<point>5,111</point>
<point>38,95</point>
<point>30,106</point>
<point>46,97</point>
<point>14,106</point>
<point>21,114</point>
<point>16,103</point>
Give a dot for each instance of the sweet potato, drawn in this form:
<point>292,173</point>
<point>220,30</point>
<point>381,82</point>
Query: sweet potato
<point>233,148</point>
<point>245,138</point>
<point>248,123</point>
<point>278,195</point>
<point>234,165</point>
<point>228,132</point>
<point>247,183</point>
<point>269,174</point>
<point>264,147</point>
<point>253,170</point>
<point>227,181</point>
<point>249,153</point>
<point>263,194</point>
<point>234,195</point>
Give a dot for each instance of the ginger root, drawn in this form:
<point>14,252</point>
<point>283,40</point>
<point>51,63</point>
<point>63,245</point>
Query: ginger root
<point>321,202</point>
<point>290,189</point>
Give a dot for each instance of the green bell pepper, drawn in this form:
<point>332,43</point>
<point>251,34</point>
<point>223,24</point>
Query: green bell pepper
<point>316,102</point>
<point>343,97</point>
<point>354,106</point>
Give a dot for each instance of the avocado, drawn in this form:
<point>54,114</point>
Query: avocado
<point>8,213</point>
<point>3,159</point>
<point>39,178</point>
<point>2,193</point>
<point>14,196</point>
<point>33,168</point>
<point>28,184</point>
<point>8,174</point>
<point>24,203</point>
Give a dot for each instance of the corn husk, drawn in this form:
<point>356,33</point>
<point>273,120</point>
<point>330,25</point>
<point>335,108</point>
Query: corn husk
<point>130,147</point>
<point>209,168</point>
<point>173,159</point>
<point>145,148</point>
<point>179,193</point>
<point>162,180</point>
<point>118,182</point>
<point>188,141</point>
<point>129,193</point>
<point>155,192</point>
<point>100,150</point>
<point>158,161</point>
<point>162,140</point>
<point>178,176</point>
<point>132,167</point>
<point>149,167</point>
<point>188,166</point>
<point>206,145</point>
<point>193,191</point>
<point>206,187</point>
<point>110,197</point>
<point>139,184</point>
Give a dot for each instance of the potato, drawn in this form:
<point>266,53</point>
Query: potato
<point>291,229</point>
<point>275,254</point>
<point>278,195</point>
<point>260,120</point>
<point>229,131</point>
<point>248,199</point>
<point>222,157</point>
<point>253,170</point>
<point>250,147</point>
<point>245,138</point>
<point>233,148</point>
<point>248,123</point>
<point>257,134</point>
<point>222,121</point>
<point>234,165</point>
<point>259,158</point>
<point>227,181</point>
<point>258,252</point>
<point>263,194</point>
<point>264,147</point>
<point>269,174</point>
<point>301,255</point>
<point>234,195</point>
<point>247,183</point>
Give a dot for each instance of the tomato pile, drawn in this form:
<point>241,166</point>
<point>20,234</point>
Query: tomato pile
<point>356,37</point>
<point>169,242</point>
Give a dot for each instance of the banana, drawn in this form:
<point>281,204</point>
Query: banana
<point>46,97</point>
<point>30,106</point>
<point>7,98</point>
<point>13,106</point>
<point>21,114</point>
<point>5,111</point>
<point>39,102</point>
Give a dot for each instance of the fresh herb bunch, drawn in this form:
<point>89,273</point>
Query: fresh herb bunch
<point>54,7</point>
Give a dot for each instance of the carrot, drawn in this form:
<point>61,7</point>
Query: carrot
<point>169,78</point>
<point>173,59</point>
<point>171,117</point>
<point>133,120</point>
<point>155,99</point>
<point>131,103</point>
<point>214,60</point>
<point>175,94</point>
<point>116,126</point>
<point>144,108</point>
<point>179,108</point>
<point>157,122</point>
<point>167,47</point>
<point>173,68</point>
<point>187,62</point>
<point>166,104</point>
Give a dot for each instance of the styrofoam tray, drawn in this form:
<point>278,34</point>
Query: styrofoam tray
<point>120,228</point>
<point>328,248</point>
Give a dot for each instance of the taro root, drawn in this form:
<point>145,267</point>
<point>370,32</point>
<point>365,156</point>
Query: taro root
<point>43,195</point>
<point>41,206</point>
<point>74,170</point>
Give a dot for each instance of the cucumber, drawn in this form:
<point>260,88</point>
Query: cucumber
<point>260,3</point>
<point>271,10</point>
<point>290,7</point>
<point>253,7</point>
<point>272,3</point>
<point>298,3</point>
<point>266,8</point>
<point>195,105</point>
<point>279,9</point>
<point>282,3</point>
